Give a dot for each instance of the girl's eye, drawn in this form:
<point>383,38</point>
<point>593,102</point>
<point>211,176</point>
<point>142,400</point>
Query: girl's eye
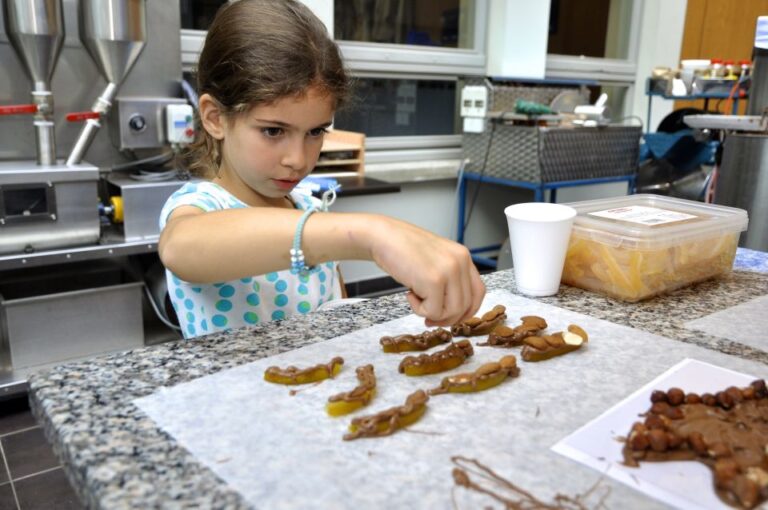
<point>272,132</point>
<point>318,132</point>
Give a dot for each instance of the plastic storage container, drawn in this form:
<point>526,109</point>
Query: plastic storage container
<point>639,246</point>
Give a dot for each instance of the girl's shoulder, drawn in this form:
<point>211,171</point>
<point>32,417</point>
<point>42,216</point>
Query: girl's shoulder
<point>202,194</point>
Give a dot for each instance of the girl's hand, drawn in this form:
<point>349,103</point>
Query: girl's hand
<point>444,284</point>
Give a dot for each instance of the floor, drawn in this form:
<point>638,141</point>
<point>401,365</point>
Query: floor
<point>31,476</point>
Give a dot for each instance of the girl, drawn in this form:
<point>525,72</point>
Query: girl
<point>244,247</point>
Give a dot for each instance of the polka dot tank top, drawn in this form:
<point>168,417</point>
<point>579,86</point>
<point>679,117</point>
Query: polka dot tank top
<point>207,308</point>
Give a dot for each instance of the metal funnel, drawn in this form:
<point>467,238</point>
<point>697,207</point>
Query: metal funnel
<point>36,31</point>
<point>114,32</point>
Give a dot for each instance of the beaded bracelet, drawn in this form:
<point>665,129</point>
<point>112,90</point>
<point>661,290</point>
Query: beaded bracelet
<point>298,264</point>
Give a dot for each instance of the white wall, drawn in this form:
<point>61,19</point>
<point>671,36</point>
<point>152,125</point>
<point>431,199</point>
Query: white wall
<point>661,36</point>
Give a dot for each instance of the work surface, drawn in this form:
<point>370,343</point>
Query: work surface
<point>116,455</point>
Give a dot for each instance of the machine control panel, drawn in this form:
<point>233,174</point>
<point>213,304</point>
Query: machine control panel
<point>179,124</point>
<point>142,122</point>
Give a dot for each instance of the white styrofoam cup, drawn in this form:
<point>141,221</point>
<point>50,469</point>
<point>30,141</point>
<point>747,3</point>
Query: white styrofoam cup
<point>539,234</point>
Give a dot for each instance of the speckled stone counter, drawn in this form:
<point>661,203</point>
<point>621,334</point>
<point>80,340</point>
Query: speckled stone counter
<point>116,457</point>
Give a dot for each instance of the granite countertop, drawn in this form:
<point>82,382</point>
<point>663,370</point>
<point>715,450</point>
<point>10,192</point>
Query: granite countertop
<point>116,457</point>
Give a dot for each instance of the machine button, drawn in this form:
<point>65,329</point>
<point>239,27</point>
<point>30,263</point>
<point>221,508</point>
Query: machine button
<point>137,123</point>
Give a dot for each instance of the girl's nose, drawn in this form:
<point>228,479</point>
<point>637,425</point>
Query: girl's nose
<point>294,155</point>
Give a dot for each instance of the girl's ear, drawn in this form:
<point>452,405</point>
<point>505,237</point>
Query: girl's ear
<point>211,116</point>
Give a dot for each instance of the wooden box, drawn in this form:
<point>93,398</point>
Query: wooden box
<point>343,153</point>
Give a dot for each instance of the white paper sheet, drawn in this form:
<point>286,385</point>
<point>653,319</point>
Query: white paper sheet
<point>687,484</point>
<point>284,452</point>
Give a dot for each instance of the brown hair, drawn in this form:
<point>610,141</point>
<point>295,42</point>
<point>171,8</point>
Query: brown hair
<point>256,52</point>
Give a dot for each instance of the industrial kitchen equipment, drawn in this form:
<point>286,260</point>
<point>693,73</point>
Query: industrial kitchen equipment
<point>742,177</point>
<point>78,225</point>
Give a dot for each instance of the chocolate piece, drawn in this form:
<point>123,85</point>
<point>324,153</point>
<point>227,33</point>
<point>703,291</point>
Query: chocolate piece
<point>481,325</point>
<point>294,375</point>
<point>450,357</point>
<point>420,342</point>
<point>486,376</point>
<point>727,432</point>
<point>388,421</point>
<point>548,346</point>
<point>504,336</point>
<point>363,391</point>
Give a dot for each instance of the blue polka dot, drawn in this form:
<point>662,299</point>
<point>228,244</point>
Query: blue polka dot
<point>277,315</point>
<point>227,291</point>
<point>251,318</point>
<point>281,300</point>
<point>220,284</point>
<point>190,317</point>
<point>304,307</point>
<point>329,265</point>
<point>256,286</point>
<point>246,280</point>
<point>303,290</point>
<point>321,275</point>
<point>191,329</point>
<point>219,320</point>
<point>322,290</point>
<point>253,299</point>
<point>175,280</point>
<point>272,277</point>
<point>204,325</point>
<point>197,289</point>
<point>189,304</point>
<point>223,305</point>
<point>281,285</point>
<point>304,278</point>
<point>179,293</point>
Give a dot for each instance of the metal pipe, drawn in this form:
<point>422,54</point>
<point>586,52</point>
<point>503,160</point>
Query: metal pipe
<point>91,127</point>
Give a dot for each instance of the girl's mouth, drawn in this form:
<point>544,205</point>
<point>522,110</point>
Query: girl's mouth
<point>285,183</point>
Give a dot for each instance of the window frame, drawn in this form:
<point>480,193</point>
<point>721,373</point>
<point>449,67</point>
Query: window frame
<point>394,61</point>
<point>601,69</point>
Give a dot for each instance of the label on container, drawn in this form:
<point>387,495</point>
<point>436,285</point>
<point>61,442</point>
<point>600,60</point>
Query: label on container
<point>643,215</point>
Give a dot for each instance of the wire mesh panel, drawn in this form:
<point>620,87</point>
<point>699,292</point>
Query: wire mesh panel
<point>551,154</point>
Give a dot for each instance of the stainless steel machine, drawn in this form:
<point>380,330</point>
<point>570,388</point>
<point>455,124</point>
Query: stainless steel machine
<point>78,227</point>
<point>742,179</point>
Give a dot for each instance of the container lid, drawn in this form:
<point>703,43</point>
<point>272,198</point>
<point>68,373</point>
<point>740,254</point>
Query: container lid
<point>647,221</point>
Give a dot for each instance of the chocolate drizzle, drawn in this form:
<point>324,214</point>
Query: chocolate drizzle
<point>481,325</point>
<point>471,381</point>
<point>388,421</point>
<point>504,336</point>
<point>362,392</point>
<point>472,475</point>
<point>420,342</point>
<point>727,431</point>
<point>450,357</point>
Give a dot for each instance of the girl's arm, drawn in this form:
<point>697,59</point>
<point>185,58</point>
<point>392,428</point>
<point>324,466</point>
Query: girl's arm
<point>225,245</point>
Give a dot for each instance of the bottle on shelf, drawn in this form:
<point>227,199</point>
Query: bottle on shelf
<point>716,70</point>
<point>746,68</point>
<point>730,70</point>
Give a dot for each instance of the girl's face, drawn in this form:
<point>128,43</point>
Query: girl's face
<point>268,150</point>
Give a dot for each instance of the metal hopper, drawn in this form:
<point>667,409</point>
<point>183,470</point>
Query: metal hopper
<point>114,32</point>
<point>35,29</point>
